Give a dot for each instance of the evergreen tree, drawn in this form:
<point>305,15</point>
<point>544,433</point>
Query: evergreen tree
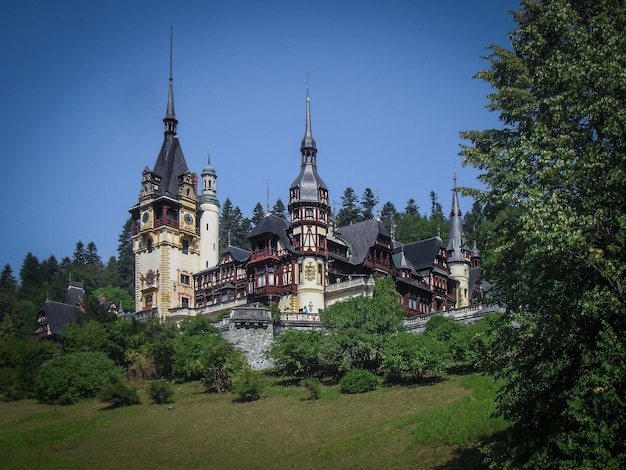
<point>555,181</point>
<point>349,212</point>
<point>126,260</point>
<point>388,216</point>
<point>8,292</point>
<point>412,208</point>
<point>436,211</point>
<point>257,214</point>
<point>279,209</point>
<point>79,258</point>
<point>368,204</point>
<point>233,227</point>
<point>30,275</point>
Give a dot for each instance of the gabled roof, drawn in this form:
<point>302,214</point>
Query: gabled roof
<point>401,262</point>
<point>238,254</point>
<point>274,225</point>
<point>360,237</point>
<point>422,254</point>
<point>58,315</point>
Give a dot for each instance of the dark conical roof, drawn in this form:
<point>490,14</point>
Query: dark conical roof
<point>170,164</point>
<point>456,242</point>
<point>308,142</point>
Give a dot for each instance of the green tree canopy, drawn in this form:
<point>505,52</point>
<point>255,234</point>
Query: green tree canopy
<point>349,212</point>
<point>558,165</point>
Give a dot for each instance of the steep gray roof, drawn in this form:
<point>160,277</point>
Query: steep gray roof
<point>170,165</point>
<point>238,254</point>
<point>275,225</point>
<point>422,254</point>
<point>74,294</point>
<point>58,315</point>
<point>360,237</point>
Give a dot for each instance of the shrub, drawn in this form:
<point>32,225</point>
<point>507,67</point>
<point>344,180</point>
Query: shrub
<point>119,394</point>
<point>314,386</point>
<point>409,356</point>
<point>65,379</point>
<point>358,381</point>
<point>161,391</point>
<point>249,385</point>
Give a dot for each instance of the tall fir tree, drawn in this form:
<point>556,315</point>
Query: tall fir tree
<point>257,214</point>
<point>349,212</point>
<point>368,204</point>
<point>279,209</point>
<point>126,259</point>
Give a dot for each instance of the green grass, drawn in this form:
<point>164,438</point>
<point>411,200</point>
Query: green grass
<point>434,426</point>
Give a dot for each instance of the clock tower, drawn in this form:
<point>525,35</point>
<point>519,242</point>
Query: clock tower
<point>309,210</point>
<point>165,226</point>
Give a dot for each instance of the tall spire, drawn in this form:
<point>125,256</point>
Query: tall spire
<point>456,241</point>
<point>170,116</point>
<point>308,146</point>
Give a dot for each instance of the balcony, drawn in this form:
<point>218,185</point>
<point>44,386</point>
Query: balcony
<point>166,222</point>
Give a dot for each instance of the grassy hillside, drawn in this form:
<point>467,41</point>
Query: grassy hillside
<point>428,426</point>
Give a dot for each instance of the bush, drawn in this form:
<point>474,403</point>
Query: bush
<point>314,386</point>
<point>358,381</point>
<point>119,394</point>
<point>161,391</point>
<point>249,385</point>
<point>65,379</point>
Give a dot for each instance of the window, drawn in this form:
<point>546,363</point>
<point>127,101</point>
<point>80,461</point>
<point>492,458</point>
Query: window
<point>308,213</point>
<point>185,249</point>
<point>149,243</point>
<point>184,302</point>
<point>149,301</point>
<point>184,279</point>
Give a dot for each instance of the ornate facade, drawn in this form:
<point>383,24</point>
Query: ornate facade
<point>303,264</point>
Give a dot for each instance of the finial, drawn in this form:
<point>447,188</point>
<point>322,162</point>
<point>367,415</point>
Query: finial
<point>267,197</point>
<point>454,188</point>
<point>171,35</point>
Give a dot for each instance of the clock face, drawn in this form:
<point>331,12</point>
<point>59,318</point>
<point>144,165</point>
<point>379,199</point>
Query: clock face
<point>188,219</point>
<point>145,217</point>
<point>150,278</point>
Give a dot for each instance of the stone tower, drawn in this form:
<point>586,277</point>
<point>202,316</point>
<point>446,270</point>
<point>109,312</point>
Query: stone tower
<point>165,228</point>
<point>210,218</point>
<point>458,253</point>
<point>309,209</point>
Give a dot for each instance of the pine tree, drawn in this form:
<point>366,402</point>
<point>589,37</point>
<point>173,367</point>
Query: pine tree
<point>389,215</point>
<point>126,260</point>
<point>279,209</point>
<point>368,204</point>
<point>349,212</point>
<point>257,214</point>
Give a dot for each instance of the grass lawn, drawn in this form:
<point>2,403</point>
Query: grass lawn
<point>429,426</point>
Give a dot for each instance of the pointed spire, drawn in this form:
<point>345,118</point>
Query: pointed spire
<point>455,242</point>
<point>308,143</point>
<point>170,116</point>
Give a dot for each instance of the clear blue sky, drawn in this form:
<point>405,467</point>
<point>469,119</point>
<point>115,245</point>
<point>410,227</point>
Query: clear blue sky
<point>84,86</point>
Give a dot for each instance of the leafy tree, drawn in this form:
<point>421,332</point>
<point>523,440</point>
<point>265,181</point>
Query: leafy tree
<point>249,384</point>
<point>65,379</point>
<point>409,356</point>
<point>368,204</point>
<point>301,353</point>
<point>360,325</point>
<point>201,353</point>
<point>126,259</point>
<point>279,209</point>
<point>558,165</point>
<point>257,214</point>
<point>349,211</point>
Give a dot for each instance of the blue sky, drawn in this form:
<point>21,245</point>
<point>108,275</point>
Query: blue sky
<point>84,88</point>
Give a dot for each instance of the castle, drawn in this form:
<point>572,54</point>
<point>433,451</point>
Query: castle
<point>300,265</point>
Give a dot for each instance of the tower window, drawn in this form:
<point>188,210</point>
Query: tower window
<point>185,249</point>
<point>149,243</point>
<point>184,279</point>
<point>184,302</point>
